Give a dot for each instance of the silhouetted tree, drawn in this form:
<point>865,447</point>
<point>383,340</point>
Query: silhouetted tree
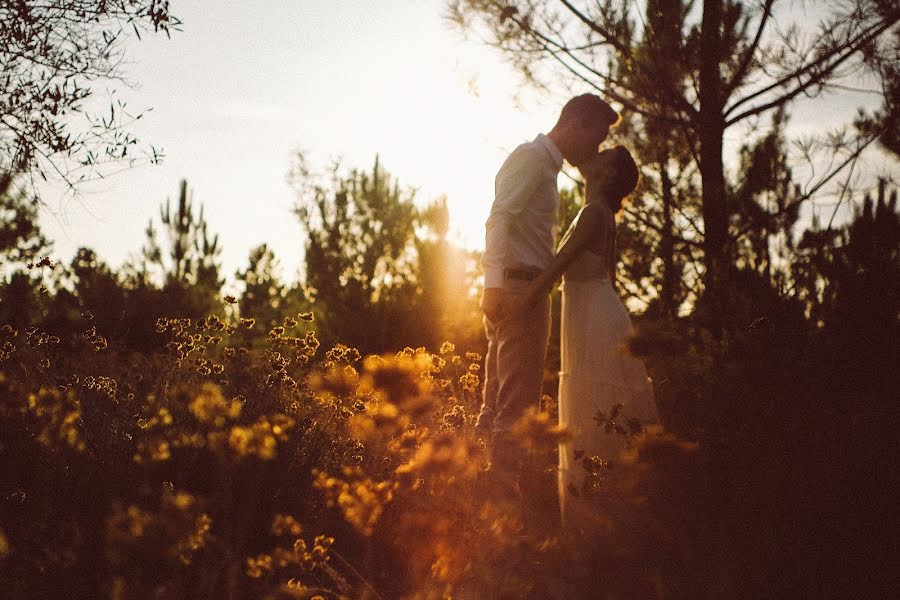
<point>22,246</point>
<point>21,240</point>
<point>868,294</point>
<point>379,269</point>
<point>764,210</point>
<point>21,299</point>
<point>186,267</point>
<point>359,256</point>
<point>178,278</point>
<point>850,276</point>
<point>99,294</point>
<point>660,235</point>
<point>266,297</point>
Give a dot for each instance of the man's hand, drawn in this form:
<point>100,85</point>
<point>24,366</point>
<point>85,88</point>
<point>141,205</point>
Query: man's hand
<point>493,304</point>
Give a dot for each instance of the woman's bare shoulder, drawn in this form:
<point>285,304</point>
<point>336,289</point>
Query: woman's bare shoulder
<point>597,212</point>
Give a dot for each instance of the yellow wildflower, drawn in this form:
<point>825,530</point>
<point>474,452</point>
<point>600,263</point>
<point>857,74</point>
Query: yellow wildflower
<point>195,540</point>
<point>383,418</point>
<point>209,406</point>
<point>444,455</point>
<point>260,439</point>
<point>403,380</point>
<point>335,382</point>
<point>258,565</point>
<point>537,431</point>
<point>286,524</point>
<point>361,502</point>
<point>59,415</point>
<point>469,381</point>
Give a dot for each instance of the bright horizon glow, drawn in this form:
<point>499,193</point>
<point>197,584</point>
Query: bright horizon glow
<point>244,86</point>
<point>239,90</point>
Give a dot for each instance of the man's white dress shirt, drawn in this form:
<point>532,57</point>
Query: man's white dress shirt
<point>521,230</point>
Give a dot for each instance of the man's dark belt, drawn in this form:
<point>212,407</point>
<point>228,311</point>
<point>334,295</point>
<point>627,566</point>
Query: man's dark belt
<point>526,274</point>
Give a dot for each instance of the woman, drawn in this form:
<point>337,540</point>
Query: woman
<point>596,373</point>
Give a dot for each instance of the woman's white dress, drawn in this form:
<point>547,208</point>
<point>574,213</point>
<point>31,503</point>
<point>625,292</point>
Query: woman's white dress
<point>596,372</point>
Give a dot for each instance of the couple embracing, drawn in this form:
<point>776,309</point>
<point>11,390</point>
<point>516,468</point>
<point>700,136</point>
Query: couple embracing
<point>521,266</point>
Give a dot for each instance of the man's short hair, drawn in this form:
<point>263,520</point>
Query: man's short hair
<point>589,108</point>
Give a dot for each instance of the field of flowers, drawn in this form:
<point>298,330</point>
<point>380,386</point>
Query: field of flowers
<point>226,469</point>
<point>248,463</point>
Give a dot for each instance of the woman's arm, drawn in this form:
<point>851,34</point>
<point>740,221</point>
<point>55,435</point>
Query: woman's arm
<point>586,223</point>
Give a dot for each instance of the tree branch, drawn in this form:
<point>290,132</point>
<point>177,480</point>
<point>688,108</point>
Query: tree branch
<point>809,194</point>
<point>607,37</point>
<point>836,57</point>
<point>545,42</point>
<point>748,55</point>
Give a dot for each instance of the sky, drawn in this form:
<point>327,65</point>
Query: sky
<point>241,88</point>
<point>245,85</point>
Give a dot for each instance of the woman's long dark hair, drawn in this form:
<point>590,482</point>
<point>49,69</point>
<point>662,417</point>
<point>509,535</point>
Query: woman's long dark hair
<point>624,179</point>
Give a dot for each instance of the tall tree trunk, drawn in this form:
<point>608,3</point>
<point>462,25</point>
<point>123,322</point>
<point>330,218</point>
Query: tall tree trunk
<point>667,245</point>
<point>712,174</point>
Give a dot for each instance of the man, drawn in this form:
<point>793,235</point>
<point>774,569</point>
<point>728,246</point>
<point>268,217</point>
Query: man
<point>519,243</point>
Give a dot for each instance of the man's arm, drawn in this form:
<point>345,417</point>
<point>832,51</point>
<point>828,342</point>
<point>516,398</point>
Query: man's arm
<point>513,186</point>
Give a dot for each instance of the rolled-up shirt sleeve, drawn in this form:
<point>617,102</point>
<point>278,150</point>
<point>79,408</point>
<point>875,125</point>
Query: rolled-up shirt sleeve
<point>513,186</point>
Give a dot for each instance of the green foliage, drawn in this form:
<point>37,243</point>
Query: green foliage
<point>265,295</point>
<point>21,240</point>
<point>186,268</point>
<point>849,276</point>
<point>180,277</point>
<point>358,256</point>
<point>377,267</point>
<point>766,206</point>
